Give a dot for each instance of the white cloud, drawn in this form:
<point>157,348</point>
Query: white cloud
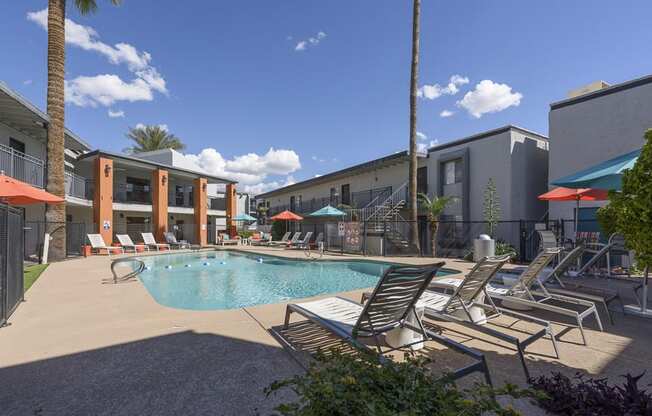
<point>107,89</point>
<point>446,113</point>
<point>489,97</point>
<point>116,114</point>
<point>250,170</point>
<point>163,127</point>
<point>302,45</point>
<point>434,91</point>
<point>27,82</point>
<point>421,136</point>
<point>423,147</point>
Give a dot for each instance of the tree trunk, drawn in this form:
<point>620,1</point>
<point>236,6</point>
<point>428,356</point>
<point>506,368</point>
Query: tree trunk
<point>433,238</point>
<point>56,214</point>
<point>412,176</point>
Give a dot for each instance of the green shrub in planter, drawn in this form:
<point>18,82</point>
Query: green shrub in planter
<point>359,384</point>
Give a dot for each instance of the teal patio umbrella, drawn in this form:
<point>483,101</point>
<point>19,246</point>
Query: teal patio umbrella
<point>328,211</point>
<point>244,217</point>
<point>605,175</point>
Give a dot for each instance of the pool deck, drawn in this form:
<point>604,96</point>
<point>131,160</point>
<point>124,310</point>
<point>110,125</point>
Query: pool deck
<point>80,345</point>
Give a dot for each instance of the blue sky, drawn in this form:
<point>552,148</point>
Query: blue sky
<point>227,75</point>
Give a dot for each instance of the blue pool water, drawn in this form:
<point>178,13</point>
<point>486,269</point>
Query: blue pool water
<point>228,280</point>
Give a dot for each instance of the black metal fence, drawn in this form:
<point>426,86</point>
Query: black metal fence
<point>11,260</point>
<point>454,239</point>
<point>34,237</point>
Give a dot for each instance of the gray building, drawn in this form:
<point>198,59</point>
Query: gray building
<point>600,123</point>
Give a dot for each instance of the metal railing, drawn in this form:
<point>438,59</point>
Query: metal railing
<point>77,186</point>
<point>23,167</point>
<point>389,208</point>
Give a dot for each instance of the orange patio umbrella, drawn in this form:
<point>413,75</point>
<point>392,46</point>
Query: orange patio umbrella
<point>580,194</point>
<point>16,192</point>
<point>287,216</point>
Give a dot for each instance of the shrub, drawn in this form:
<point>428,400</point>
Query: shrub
<point>278,229</point>
<point>358,384</point>
<point>586,396</point>
<point>245,234</point>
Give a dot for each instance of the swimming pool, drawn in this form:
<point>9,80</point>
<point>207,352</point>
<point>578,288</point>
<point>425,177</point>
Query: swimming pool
<point>229,280</point>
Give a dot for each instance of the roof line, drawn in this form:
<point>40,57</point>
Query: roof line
<point>647,79</point>
<point>34,109</point>
<point>99,152</point>
<point>486,134</point>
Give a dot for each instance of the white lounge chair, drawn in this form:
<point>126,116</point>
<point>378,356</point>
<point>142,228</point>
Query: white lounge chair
<point>524,294</point>
<point>286,240</point>
<point>303,243</point>
<point>225,240</point>
<point>390,306</point>
<point>97,244</point>
<point>127,243</point>
<point>148,238</point>
<point>283,240</point>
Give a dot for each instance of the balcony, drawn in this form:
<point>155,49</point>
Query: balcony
<point>218,204</point>
<point>21,166</point>
<point>78,186</point>
<point>130,193</point>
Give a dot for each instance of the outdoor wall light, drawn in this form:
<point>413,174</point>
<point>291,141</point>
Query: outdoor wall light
<point>203,187</point>
<point>107,170</point>
<point>164,180</point>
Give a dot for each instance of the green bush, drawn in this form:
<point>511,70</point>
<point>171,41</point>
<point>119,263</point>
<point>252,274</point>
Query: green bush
<point>245,234</point>
<point>278,229</point>
<point>359,384</point>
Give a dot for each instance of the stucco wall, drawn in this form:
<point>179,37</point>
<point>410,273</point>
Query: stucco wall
<point>586,133</point>
<point>33,147</point>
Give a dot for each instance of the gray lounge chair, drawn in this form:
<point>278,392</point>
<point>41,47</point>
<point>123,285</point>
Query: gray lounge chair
<point>523,293</point>
<point>302,244</point>
<point>465,306</point>
<point>283,241</point>
<point>171,239</point>
<point>553,283</point>
<point>390,306</point>
<point>127,243</point>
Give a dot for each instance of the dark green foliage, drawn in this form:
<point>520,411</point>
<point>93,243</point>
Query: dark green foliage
<point>503,248</point>
<point>491,208</point>
<point>340,384</point>
<point>583,396</point>
<point>278,229</point>
<point>630,211</point>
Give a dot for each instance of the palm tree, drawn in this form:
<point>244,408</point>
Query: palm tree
<point>149,138</point>
<point>412,176</point>
<point>55,215</point>
<point>434,207</point>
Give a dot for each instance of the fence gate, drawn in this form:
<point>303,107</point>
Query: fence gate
<point>12,247</point>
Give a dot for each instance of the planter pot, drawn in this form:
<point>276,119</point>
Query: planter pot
<point>483,247</point>
<point>86,250</point>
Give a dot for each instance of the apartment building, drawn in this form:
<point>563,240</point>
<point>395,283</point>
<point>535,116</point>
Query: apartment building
<point>109,192</point>
<point>596,123</point>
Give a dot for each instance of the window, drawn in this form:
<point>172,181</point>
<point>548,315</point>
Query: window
<point>17,145</point>
<point>178,195</point>
<point>452,172</point>
<point>346,194</point>
<point>422,180</point>
<point>333,196</point>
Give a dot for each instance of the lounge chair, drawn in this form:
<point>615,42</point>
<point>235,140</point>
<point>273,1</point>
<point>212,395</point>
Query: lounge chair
<point>171,239</point>
<point>319,239</point>
<point>390,306</point>
<point>97,244</point>
<point>615,244</point>
<point>302,244</point>
<point>465,307</point>
<point>553,283</point>
<point>524,295</point>
<point>150,241</point>
<point>225,240</point>
<point>263,240</point>
<point>127,243</point>
<point>294,239</point>
<point>282,241</point>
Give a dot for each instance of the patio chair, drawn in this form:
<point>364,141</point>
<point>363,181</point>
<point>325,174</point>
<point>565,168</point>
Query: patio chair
<point>465,306</point>
<point>171,239</point>
<point>282,241</point>
<point>319,239</point>
<point>263,239</point>
<point>523,293</point>
<point>150,241</point>
<point>126,243</point>
<point>225,240</point>
<point>291,241</point>
<point>553,283</point>
<point>615,244</point>
<point>97,244</point>
<point>302,244</point>
<point>390,306</point>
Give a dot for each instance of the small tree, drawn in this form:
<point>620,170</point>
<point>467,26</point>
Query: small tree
<point>278,229</point>
<point>630,211</point>
<point>434,207</point>
<point>491,208</point>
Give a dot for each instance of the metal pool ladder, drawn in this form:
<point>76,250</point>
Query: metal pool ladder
<point>138,270</point>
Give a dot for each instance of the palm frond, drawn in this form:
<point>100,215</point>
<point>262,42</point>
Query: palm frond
<point>90,6</point>
<point>150,138</point>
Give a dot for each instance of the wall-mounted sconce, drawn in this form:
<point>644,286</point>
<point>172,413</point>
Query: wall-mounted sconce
<point>171,217</point>
<point>107,170</point>
<point>164,180</point>
<point>203,187</point>
<point>122,215</point>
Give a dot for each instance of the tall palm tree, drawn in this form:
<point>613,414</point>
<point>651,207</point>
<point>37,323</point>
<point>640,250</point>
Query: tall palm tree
<point>412,176</point>
<point>148,138</point>
<point>434,207</point>
<point>55,215</point>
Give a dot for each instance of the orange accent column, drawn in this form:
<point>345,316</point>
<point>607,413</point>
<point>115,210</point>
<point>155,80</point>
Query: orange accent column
<point>231,209</point>
<point>201,207</point>
<point>103,199</point>
<point>160,203</point>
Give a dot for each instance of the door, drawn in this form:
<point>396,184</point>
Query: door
<point>422,180</point>
<point>346,194</point>
<point>292,203</point>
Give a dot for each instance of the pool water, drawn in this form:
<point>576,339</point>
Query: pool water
<point>228,280</point>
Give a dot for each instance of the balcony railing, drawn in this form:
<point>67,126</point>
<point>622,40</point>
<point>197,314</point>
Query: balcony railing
<point>78,186</point>
<point>21,166</point>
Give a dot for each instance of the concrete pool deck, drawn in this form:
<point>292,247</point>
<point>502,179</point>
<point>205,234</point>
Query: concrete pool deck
<point>80,346</point>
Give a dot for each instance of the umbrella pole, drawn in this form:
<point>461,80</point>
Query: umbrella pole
<point>577,216</point>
